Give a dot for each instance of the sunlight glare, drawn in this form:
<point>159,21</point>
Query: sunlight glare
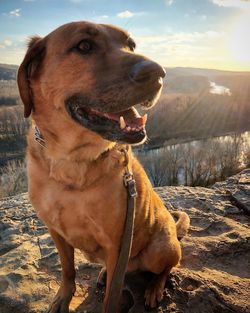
<point>240,43</point>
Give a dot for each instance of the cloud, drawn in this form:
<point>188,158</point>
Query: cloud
<point>242,4</point>
<point>99,18</point>
<point>180,38</point>
<point>182,48</point>
<point>12,56</point>
<point>15,13</point>
<point>125,14</point>
<point>129,14</point>
<point>203,17</point>
<point>169,2</point>
<point>6,43</point>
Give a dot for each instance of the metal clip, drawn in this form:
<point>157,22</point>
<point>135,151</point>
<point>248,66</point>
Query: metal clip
<point>128,177</point>
<point>129,182</point>
<point>38,137</point>
<point>132,188</point>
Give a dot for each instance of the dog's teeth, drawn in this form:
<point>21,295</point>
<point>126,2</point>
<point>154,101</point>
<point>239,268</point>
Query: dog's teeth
<point>144,118</point>
<point>122,122</point>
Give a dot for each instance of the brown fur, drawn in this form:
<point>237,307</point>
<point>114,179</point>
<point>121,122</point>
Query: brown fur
<point>77,187</point>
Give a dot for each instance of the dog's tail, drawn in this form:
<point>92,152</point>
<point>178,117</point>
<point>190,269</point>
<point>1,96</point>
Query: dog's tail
<point>182,224</point>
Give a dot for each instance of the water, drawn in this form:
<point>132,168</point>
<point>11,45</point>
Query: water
<point>245,137</point>
<point>198,162</point>
<point>219,90</point>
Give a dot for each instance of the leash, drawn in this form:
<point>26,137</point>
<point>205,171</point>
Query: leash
<point>126,242</point>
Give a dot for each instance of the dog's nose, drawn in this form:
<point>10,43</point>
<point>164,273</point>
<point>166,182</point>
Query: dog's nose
<point>146,70</point>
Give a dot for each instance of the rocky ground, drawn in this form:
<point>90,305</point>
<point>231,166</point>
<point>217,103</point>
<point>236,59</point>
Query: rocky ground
<point>214,275</point>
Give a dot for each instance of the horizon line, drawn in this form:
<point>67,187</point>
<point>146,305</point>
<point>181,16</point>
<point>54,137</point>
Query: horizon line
<point>174,67</point>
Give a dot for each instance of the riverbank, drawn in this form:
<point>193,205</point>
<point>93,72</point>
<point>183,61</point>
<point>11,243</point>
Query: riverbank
<point>150,145</point>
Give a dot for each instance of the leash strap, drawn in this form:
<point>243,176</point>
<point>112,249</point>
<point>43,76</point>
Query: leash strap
<point>126,242</point>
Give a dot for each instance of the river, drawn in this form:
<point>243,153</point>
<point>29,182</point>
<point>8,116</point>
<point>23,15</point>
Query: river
<point>209,158</point>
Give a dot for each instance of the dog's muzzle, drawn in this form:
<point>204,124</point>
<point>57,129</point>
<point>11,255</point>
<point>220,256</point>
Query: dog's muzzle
<point>123,123</point>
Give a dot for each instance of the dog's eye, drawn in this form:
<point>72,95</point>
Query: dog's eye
<point>85,46</point>
<point>131,44</point>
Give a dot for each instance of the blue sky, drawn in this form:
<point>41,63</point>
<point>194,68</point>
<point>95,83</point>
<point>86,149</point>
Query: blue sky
<point>197,33</point>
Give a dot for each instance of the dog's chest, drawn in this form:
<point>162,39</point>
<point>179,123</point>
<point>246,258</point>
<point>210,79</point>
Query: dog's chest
<point>81,218</point>
<point>74,225</point>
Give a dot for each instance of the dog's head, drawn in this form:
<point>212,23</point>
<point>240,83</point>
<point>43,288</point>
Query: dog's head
<point>90,73</point>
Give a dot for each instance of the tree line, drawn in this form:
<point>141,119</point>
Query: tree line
<point>198,163</point>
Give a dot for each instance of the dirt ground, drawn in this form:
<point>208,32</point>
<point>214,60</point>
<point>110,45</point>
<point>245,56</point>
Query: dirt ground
<point>214,275</point>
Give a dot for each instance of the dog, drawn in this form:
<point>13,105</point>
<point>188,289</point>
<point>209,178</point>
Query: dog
<point>81,84</point>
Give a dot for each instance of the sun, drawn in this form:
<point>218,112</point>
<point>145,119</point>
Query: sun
<point>239,45</point>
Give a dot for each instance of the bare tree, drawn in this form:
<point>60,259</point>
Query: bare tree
<point>13,179</point>
<point>198,163</point>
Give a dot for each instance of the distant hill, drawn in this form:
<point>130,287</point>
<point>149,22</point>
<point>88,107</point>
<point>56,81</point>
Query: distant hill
<point>211,73</point>
<point>178,79</point>
<point>185,83</point>
<point>8,72</point>
<point>186,80</point>
<point>189,109</point>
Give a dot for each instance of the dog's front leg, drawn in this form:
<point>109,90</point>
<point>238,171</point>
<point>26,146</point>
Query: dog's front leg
<point>67,289</point>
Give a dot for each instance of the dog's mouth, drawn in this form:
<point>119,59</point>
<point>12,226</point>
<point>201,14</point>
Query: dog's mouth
<point>126,126</point>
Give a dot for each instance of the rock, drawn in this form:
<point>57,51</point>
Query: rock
<point>238,190</point>
<point>214,274</point>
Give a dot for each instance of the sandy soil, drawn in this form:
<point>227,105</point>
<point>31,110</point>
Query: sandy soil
<point>214,275</point>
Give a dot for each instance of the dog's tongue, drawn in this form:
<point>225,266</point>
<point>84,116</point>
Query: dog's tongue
<point>130,117</point>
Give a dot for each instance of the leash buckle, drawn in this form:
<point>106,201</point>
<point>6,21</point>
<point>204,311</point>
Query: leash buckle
<point>129,183</point>
<point>128,177</point>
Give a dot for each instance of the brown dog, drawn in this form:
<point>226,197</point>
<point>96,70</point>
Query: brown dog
<point>80,83</point>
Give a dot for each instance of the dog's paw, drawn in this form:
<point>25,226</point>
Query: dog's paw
<point>148,308</point>
<point>127,300</point>
<point>100,294</point>
<point>101,280</point>
<point>101,285</point>
<point>59,306</point>
<point>153,296</point>
<point>61,301</point>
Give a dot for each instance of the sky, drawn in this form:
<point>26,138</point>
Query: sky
<point>175,33</point>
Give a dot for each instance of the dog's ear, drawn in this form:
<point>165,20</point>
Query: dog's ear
<point>29,69</point>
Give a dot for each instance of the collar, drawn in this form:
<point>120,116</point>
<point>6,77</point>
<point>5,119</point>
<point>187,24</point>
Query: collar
<point>39,137</point>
